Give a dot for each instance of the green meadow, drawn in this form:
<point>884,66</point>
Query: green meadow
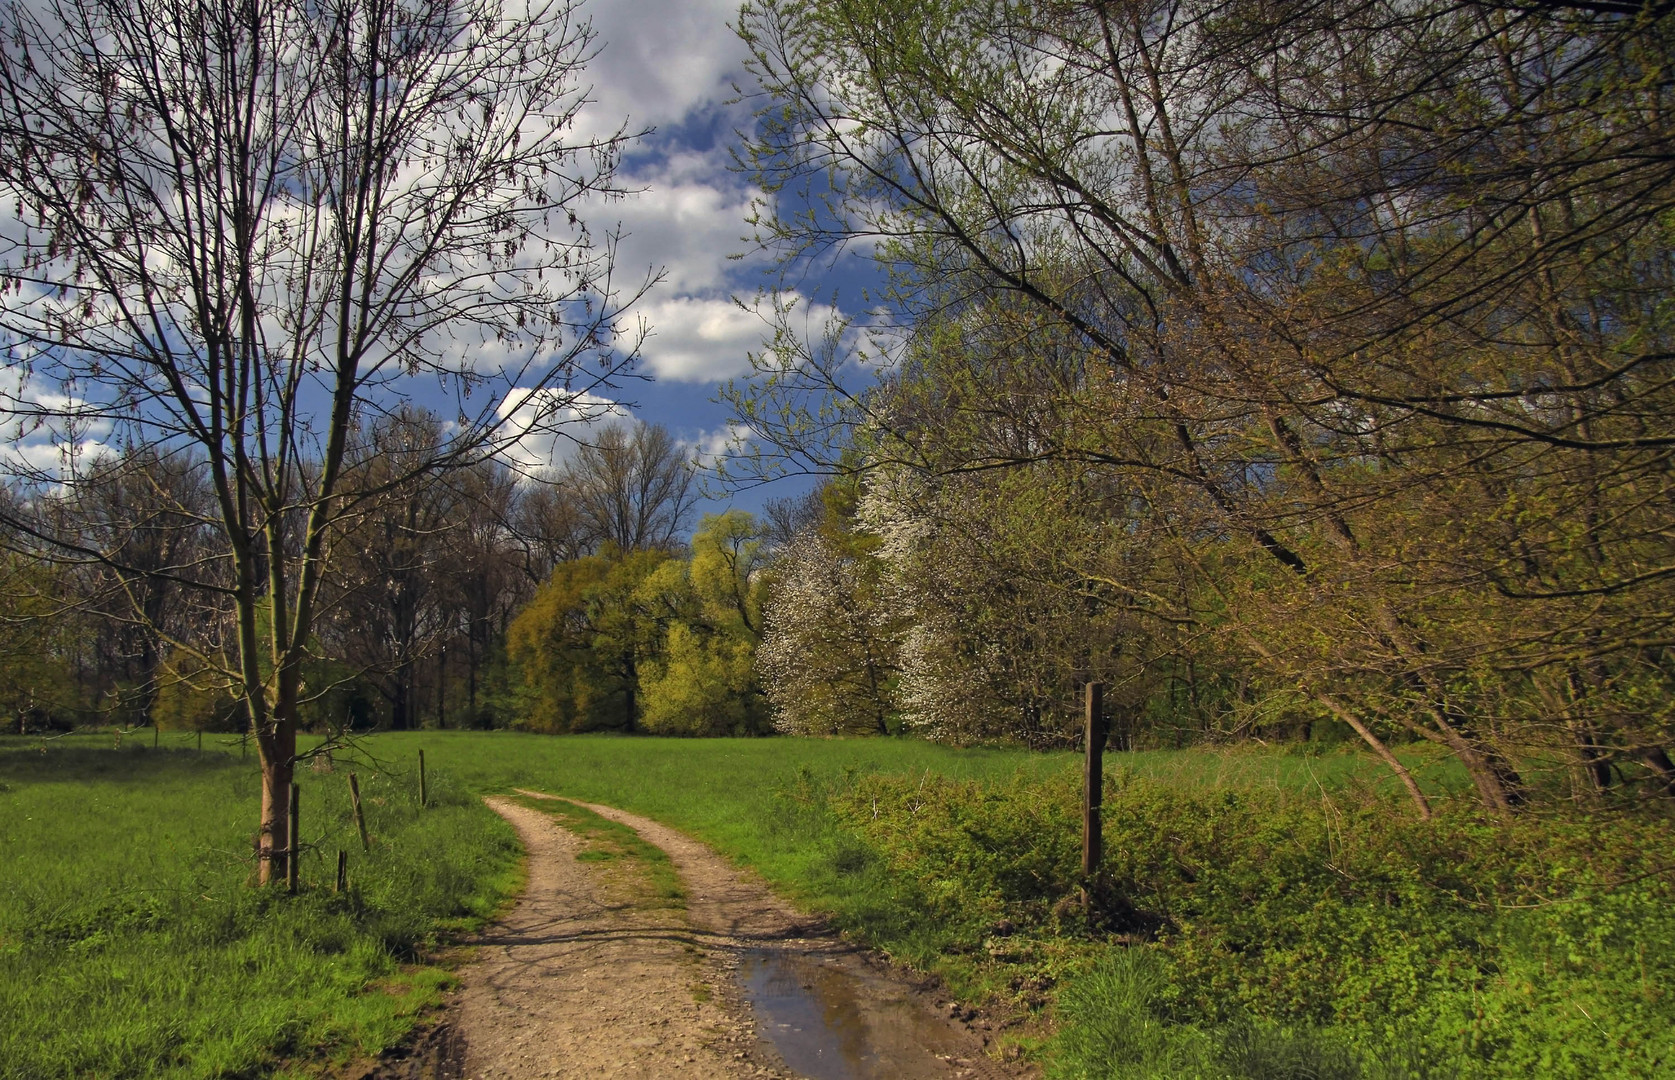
<point>1258,914</point>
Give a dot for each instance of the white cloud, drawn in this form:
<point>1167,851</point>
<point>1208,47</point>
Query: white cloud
<point>687,222</point>
<point>661,60</point>
<point>709,447</point>
<point>697,340</point>
<point>541,426</point>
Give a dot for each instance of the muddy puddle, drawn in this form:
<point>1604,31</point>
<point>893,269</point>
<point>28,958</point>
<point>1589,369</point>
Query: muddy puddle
<point>830,1020</point>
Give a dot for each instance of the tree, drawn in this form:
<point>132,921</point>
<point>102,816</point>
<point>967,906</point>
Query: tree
<point>642,640</point>
<point>633,487</point>
<point>580,643</point>
<point>246,228</point>
<point>829,658</point>
<point>393,591</point>
<point>700,680</point>
<point>1349,290</point>
<point>547,527</point>
<point>152,514</point>
<point>37,685</point>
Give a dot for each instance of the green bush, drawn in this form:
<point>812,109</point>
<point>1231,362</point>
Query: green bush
<point>1452,947</point>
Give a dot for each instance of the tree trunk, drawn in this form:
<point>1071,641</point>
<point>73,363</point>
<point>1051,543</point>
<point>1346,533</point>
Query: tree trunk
<point>277,749</point>
<point>1349,716</point>
<point>1657,759</point>
<point>471,675</point>
<point>1594,761</point>
<point>1374,743</point>
<point>401,705</point>
<point>442,688</point>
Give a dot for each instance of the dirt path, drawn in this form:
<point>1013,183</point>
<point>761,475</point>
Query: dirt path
<point>582,979</point>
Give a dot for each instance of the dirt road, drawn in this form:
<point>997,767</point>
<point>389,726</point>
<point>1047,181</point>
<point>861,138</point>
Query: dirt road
<point>584,979</point>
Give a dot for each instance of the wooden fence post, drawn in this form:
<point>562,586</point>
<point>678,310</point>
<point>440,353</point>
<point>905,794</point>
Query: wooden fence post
<point>422,792</point>
<point>200,740</point>
<point>360,818</point>
<point>1093,780</point>
<point>294,821</point>
<point>342,870</point>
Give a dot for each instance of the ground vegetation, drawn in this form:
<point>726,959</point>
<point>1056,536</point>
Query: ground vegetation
<point>1259,914</point>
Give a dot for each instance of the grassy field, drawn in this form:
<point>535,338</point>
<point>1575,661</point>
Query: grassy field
<point>1300,923</point>
<point>130,944</point>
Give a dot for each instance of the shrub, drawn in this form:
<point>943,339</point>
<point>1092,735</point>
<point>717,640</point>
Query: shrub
<point>1457,946</point>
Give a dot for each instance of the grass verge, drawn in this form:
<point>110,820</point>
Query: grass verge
<point>655,884</point>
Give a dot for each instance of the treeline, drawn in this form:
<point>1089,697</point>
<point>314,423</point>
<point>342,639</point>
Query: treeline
<point>1276,364</point>
<point>131,623</point>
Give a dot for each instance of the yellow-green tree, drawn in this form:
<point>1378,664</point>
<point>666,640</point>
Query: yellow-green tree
<point>702,681</point>
<point>35,679</point>
<point>579,644</point>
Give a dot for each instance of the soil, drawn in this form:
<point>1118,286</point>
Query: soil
<point>583,979</point>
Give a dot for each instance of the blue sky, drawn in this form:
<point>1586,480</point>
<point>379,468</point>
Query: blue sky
<point>674,66</point>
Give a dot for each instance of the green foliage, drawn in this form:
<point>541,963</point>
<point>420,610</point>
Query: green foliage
<point>192,696</point>
<point>643,640</point>
<point>702,685</point>
<point>703,682</point>
<point>1114,1026</point>
<point>579,644</point>
<point>1518,948</point>
<point>36,687</point>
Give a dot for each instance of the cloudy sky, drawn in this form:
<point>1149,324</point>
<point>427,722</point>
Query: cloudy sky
<point>673,65</point>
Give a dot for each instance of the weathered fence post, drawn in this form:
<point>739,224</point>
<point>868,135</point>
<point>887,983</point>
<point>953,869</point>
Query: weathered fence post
<point>422,792</point>
<point>360,818</point>
<point>154,736</point>
<point>342,870</point>
<point>1093,780</point>
<point>200,740</point>
<point>293,859</point>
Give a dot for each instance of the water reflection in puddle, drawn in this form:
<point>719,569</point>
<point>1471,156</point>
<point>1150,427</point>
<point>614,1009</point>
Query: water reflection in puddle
<point>830,1021</point>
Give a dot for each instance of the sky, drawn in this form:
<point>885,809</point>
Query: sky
<point>674,65</point>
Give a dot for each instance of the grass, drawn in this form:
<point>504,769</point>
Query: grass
<point>653,880</point>
<point>130,944</point>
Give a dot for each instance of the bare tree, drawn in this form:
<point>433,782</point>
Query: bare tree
<point>153,515</point>
<point>548,528</point>
<point>633,487</point>
<point>390,601</point>
<point>245,228</point>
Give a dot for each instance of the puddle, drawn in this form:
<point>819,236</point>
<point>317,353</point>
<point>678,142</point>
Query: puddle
<point>830,1021</point>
